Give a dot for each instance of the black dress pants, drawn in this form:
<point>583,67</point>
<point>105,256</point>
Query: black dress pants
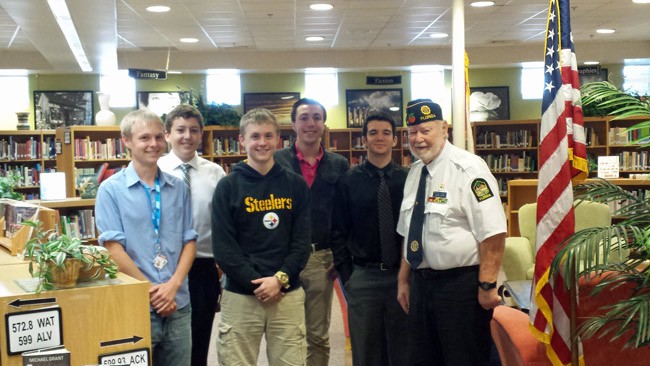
<point>204,289</point>
<point>447,324</point>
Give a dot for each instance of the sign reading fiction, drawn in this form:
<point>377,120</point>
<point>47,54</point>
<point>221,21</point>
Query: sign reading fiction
<point>32,330</point>
<point>383,80</point>
<point>148,74</point>
<point>131,358</point>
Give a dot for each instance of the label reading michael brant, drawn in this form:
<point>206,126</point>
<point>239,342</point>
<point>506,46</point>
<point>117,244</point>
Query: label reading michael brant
<point>32,330</point>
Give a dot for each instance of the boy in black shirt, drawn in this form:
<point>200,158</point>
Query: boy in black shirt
<point>367,248</point>
<point>261,235</point>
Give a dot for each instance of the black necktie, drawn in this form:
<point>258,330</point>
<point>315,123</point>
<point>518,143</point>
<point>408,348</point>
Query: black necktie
<point>389,250</point>
<point>414,243</point>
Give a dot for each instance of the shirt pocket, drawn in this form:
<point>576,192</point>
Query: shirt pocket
<point>406,209</point>
<point>435,214</point>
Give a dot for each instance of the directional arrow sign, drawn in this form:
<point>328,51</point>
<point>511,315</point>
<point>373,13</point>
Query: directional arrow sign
<point>18,302</point>
<point>134,339</point>
<point>34,329</point>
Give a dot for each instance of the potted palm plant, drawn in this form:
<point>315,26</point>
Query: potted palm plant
<point>618,253</point>
<point>57,259</point>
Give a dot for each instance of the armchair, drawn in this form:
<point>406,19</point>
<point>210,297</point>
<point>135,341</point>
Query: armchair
<point>517,346</point>
<point>519,255</point>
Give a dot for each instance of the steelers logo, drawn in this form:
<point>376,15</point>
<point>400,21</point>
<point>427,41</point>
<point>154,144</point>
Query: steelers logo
<point>414,246</point>
<point>271,220</point>
<point>425,110</point>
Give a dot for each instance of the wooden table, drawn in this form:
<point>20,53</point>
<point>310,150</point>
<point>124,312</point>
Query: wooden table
<point>95,319</point>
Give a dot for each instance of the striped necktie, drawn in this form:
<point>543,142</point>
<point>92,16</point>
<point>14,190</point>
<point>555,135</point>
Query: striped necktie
<point>389,250</point>
<point>185,168</point>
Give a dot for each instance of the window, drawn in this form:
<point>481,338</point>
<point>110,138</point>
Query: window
<point>532,80</point>
<point>322,84</point>
<point>428,82</point>
<point>636,79</point>
<point>14,97</point>
<point>121,88</point>
<point>223,86</point>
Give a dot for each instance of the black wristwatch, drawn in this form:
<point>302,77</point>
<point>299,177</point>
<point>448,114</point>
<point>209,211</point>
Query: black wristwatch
<point>487,286</point>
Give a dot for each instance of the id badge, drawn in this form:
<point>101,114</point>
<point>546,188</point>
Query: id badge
<point>160,261</point>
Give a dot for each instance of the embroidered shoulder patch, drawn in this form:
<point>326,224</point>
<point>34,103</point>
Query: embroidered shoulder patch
<point>481,189</point>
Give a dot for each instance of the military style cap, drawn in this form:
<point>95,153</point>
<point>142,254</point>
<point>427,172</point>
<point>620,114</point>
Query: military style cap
<point>422,110</point>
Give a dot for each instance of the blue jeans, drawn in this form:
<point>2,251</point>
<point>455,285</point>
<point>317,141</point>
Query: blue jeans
<point>171,338</point>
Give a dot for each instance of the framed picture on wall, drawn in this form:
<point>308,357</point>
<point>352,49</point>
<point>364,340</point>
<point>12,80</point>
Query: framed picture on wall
<point>489,103</point>
<point>159,102</point>
<point>360,101</point>
<point>58,108</point>
<point>278,103</point>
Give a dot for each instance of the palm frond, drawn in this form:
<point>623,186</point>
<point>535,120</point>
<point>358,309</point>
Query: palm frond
<point>603,98</point>
<point>606,96</point>
<point>631,314</point>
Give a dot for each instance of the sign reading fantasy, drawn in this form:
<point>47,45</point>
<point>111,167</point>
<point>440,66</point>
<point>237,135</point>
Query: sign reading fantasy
<point>148,74</point>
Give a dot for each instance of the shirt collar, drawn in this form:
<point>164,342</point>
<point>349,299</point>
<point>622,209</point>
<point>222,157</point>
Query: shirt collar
<point>372,170</point>
<point>301,158</point>
<point>176,161</point>
<point>133,178</point>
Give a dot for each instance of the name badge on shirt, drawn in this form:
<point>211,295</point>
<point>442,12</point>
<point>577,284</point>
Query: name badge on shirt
<point>439,196</point>
<point>160,262</point>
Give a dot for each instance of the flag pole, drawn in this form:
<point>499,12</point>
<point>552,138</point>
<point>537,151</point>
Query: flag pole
<point>573,296</point>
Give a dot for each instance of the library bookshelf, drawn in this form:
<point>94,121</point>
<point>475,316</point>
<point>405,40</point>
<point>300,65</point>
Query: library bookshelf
<point>26,154</point>
<point>511,148</point>
<point>76,217</point>
<point>221,144</point>
<point>523,191</point>
<point>349,143</point>
<point>85,149</point>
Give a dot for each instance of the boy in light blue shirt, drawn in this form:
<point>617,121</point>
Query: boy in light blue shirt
<point>145,221</point>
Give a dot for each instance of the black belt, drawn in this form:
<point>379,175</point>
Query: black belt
<point>372,265</point>
<point>428,273</point>
<point>315,247</point>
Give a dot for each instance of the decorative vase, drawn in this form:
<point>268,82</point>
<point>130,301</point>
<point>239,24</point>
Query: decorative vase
<point>23,120</point>
<point>66,277</point>
<point>104,117</point>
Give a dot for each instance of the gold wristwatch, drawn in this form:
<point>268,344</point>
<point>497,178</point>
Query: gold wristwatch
<point>283,278</point>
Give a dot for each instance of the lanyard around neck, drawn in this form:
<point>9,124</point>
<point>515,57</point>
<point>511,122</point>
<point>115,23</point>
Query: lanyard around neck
<point>155,209</point>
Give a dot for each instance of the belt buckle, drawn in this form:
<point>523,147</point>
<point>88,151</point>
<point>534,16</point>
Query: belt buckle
<point>383,267</point>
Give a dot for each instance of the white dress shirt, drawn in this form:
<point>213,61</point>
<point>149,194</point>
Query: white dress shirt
<point>458,216</point>
<point>204,176</point>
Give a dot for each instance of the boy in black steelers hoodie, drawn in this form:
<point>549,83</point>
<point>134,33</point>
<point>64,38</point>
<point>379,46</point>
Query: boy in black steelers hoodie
<point>261,235</point>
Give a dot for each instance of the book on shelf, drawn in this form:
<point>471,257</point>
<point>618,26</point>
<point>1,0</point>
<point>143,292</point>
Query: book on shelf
<point>80,225</point>
<point>52,356</point>
<point>102,174</point>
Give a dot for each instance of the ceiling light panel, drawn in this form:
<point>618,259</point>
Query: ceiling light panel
<point>158,9</point>
<point>64,20</point>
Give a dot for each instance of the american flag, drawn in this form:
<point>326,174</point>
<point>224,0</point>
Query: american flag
<point>562,158</point>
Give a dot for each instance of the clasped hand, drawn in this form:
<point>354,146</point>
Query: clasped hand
<point>268,291</point>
